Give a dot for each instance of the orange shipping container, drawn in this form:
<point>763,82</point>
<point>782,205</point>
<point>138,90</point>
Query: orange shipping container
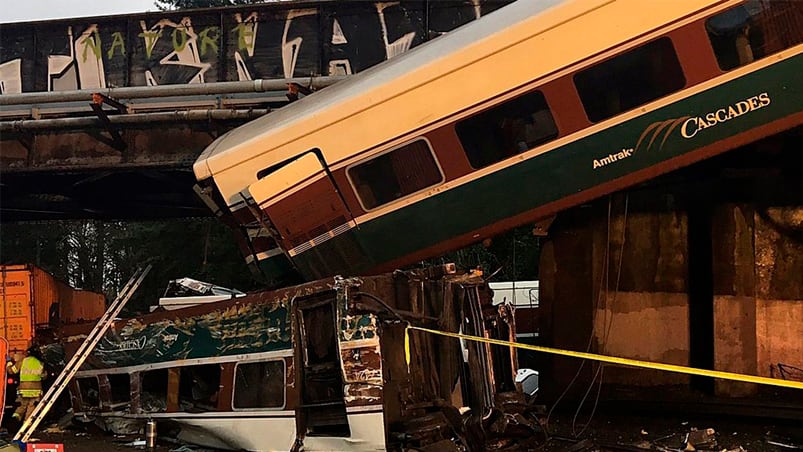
<point>45,294</point>
<point>29,296</point>
<point>81,306</point>
<point>15,305</point>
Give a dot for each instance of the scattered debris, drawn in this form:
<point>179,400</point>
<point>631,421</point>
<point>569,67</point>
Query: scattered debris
<point>782,442</point>
<point>585,444</point>
<point>701,439</point>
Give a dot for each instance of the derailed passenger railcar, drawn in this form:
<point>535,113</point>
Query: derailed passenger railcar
<point>320,365</point>
<point>537,107</point>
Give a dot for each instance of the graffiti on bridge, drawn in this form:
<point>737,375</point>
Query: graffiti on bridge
<point>180,47</point>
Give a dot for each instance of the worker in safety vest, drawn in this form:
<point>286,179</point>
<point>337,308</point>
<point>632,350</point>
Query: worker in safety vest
<point>31,371</point>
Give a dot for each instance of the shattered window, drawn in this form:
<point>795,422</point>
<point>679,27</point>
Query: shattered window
<point>508,129</point>
<point>259,385</point>
<point>120,388</point>
<point>90,393</point>
<point>754,30</point>
<point>153,395</point>
<point>395,174</point>
<point>199,387</point>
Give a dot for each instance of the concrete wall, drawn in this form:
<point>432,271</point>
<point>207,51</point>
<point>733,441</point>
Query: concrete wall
<point>779,288</point>
<point>644,308</point>
<point>638,306</point>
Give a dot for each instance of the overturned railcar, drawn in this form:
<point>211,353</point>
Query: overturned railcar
<point>537,107</point>
<point>320,366</point>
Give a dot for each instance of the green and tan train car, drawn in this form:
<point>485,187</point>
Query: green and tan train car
<point>535,108</point>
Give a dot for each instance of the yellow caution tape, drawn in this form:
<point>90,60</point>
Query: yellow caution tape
<point>608,359</point>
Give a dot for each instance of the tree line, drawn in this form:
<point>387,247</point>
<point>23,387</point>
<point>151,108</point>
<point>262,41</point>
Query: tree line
<point>102,255</point>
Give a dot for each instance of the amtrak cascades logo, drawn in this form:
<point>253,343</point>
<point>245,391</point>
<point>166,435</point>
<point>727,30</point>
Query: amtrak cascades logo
<point>132,344</point>
<point>689,127</point>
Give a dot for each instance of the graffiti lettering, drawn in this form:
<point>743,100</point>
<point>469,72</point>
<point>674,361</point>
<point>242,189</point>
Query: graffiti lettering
<point>246,31</point>
<point>91,41</point>
<point>187,55</point>
<point>117,41</point>
<point>178,45</point>
<point>292,47</point>
<point>11,77</point>
<point>150,38</point>
<point>398,46</point>
<point>209,37</point>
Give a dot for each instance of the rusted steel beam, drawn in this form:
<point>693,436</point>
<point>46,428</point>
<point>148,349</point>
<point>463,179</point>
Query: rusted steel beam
<point>173,378</point>
<point>116,141</point>
<point>105,393</point>
<point>193,89</point>
<point>138,118</point>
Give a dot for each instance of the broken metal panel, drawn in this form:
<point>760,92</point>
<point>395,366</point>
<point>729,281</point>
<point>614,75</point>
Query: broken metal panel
<point>135,383</point>
<point>362,372</point>
<point>228,328</point>
<point>104,392</point>
<point>76,401</point>
<point>226,391</point>
<point>422,401</point>
<point>173,379</point>
<point>348,376</point>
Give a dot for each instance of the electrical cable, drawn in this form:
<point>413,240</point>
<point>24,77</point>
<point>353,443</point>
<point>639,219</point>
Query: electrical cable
<point>593,327</point>
<point>609,322</point>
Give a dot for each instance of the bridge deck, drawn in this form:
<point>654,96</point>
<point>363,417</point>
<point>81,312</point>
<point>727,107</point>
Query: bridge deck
<point>130,155</point>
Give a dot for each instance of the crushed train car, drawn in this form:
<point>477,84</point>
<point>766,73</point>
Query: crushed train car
<point>320,366</point>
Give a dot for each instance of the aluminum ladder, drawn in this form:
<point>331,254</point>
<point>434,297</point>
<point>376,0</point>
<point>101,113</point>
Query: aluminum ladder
<point>86,348</point>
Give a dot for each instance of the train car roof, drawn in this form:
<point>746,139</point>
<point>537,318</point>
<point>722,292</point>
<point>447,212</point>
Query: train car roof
<point>214,157</point>
<point>558,29</point>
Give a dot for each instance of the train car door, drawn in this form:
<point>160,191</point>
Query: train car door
<point>304,206</point>
<point>322,404</point>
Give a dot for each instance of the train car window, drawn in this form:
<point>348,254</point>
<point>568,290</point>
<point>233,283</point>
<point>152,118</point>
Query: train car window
<point>259,385</point>
<point>631,79</point>
<point>153,392</point>
<point>90,391</point>
<point>507,129</point>
<point>120,388</point>
<point>754,30</point>
<point>199,387</point>
<point>395,174</point>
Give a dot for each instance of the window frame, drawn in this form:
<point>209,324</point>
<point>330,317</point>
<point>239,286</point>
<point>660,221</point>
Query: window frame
<point>81,391</point>
<point>532,90</point>
<point>388,151</point>
<point>618,53</point>
<point>284,385</point>
<point>750,21</point>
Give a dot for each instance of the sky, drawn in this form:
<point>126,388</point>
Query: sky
<point>25,10</point>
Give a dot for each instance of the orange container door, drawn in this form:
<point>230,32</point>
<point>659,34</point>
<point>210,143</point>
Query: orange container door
<point>15,306</point>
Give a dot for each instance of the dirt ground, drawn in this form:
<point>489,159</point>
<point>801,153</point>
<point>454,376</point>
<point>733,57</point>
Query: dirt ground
<point>606,432</point>
<point>82,442</point>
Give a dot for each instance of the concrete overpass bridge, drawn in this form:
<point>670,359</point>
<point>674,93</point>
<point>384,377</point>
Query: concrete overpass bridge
<point>102,117</point>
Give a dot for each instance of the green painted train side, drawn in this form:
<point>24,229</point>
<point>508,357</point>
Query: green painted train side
<point>675,130</point>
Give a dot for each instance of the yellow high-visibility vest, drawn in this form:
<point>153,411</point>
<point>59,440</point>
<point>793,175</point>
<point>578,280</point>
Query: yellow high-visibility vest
<point>31,373</point>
